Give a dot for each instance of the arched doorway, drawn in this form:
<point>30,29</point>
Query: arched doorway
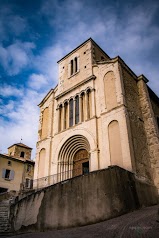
<point>73,156</point>
<point>81,163</point>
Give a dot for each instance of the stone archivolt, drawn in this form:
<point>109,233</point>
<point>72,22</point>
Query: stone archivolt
<point>68,151</point>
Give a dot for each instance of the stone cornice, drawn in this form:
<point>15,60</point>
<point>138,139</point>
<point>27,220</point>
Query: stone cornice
<point>46,97</point>
<point>92,77</point>
<point>118,59</point>
<point>142,77</point>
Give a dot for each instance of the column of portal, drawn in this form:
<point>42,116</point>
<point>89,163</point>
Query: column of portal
<point>93,102</point>
<point>68,116</point>
<point>74,110</point>
<point>64,116</point>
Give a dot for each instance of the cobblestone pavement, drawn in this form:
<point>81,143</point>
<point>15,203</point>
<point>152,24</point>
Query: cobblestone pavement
<point>137,224</point>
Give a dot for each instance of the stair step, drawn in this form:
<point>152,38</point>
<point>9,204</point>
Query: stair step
<point>5,227</point>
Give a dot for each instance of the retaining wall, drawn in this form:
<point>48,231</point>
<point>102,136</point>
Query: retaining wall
<point>82,200</point>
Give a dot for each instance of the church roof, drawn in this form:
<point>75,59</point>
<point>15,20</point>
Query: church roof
<point>11,157</point>
<point>22,145</point>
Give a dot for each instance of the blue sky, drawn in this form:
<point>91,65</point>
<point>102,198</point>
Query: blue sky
<point>35,34</point>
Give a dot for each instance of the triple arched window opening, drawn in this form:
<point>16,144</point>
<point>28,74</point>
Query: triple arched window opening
<point>75,110</point>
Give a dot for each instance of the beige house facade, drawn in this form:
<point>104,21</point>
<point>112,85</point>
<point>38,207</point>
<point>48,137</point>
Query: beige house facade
<point>100,114</point>
<point>16,169</point>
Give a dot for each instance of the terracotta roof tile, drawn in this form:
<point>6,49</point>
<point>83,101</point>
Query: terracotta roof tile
<point>21,144</point>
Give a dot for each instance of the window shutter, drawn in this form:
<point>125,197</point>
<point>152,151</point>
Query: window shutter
<point>3,173</point>
<point>11,176</point>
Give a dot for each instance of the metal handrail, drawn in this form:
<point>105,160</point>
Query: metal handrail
<point>55,178</point>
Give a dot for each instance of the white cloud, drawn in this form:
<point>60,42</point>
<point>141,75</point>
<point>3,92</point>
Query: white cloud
<point>22,121</point>
<point>46,62</point>
<point>37,81</point>
<point>16,56</point>
<point>8,90</point>
<point>6,108</point>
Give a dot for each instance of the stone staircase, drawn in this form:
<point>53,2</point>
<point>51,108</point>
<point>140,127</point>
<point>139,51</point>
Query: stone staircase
<point>5,226</point>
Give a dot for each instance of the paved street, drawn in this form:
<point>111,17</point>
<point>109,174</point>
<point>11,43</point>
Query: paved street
<point>138,224</point>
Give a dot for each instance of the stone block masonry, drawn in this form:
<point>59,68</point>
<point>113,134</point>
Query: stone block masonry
<point>82,200</point>
<point>150,128</point>
<point>4,217</point>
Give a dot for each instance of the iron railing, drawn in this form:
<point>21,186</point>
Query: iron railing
<point>53,179</point>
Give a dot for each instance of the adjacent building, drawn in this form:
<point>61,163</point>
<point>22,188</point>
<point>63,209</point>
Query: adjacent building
<point>16,169</point>
<point>100,114</point>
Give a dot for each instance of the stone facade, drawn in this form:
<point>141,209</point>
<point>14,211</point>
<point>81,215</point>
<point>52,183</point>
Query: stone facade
<point>151,128</point>
<point>16,169</point>
<point>102,108</point>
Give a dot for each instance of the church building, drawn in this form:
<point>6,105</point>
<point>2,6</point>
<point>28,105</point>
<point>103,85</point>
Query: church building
<point>100,114</point>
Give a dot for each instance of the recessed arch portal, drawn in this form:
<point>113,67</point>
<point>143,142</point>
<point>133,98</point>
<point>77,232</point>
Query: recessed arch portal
<point>74,147</point>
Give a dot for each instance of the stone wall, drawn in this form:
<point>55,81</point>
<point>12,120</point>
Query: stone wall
<point>151,129</point>
<point>88,199</point>
<point>84,55</point>
<point>138,133</point>
<point>16,150</point>
<point>155,105</point>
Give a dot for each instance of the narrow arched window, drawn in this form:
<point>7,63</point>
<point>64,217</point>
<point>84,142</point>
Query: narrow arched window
<point>71,67</point>
<point>75,63</point>
<point>74,66</point>
<point>77,110</point>
<point>88,104</point>
<point>71,112</point>
<point>22,154</point>
<point>66,115</point>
